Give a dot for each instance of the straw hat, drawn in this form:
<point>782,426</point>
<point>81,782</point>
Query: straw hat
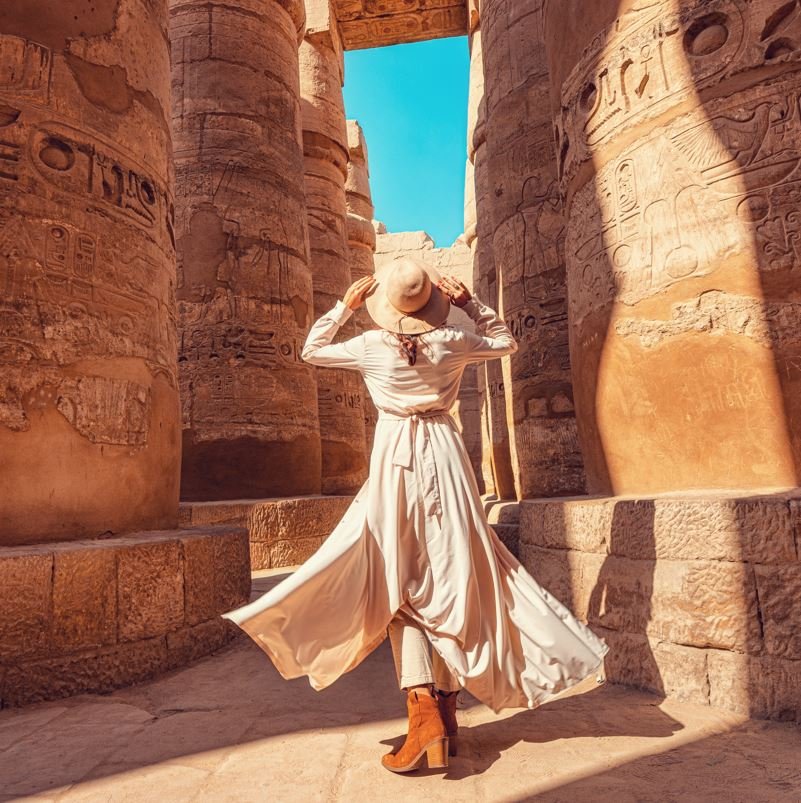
<point>406,299</point>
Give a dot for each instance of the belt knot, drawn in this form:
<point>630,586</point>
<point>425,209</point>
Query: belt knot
<point>403,453</point>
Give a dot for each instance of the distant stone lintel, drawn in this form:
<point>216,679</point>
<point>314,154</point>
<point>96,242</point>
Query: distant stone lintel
<point>434,19</point>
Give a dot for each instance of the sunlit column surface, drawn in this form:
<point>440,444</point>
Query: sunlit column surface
<point>496,459</point>
<point>522,211</point>
<point>361,243</point>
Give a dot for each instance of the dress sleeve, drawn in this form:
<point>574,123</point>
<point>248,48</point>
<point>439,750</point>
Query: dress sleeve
<point>493,338</point>
<point>318,349</point>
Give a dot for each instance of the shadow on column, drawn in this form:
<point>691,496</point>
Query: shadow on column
<point>753,117</point>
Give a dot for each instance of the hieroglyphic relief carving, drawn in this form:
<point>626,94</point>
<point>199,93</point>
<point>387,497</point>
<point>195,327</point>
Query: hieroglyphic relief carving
<point>731,167</point>
<point>26,69</point>
<point>82,291</point>
<point>121,405</point>
<point>749,154</point>
<point>340,395</point>
<point>649,62</point>
<point>680,148</point>
<point>98,173</point>
<point>390,22</point>
<point>86,293</point>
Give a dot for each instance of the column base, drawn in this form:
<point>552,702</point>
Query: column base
<point>504,518</point>
<point>699,597</point>
<point>283,531</point>
<point>92,616</point>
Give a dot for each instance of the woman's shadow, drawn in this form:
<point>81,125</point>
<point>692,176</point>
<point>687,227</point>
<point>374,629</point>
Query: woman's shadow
<point>607,711</point>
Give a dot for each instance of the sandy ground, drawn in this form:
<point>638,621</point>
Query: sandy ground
<point>230,729</point>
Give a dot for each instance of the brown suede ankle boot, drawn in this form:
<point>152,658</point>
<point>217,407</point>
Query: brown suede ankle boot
<point>447,710</point>
<point>427,736</point>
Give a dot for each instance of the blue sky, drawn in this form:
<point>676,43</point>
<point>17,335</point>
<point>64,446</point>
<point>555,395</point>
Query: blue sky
<point>412,103</point>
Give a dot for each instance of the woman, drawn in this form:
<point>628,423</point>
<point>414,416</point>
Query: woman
<point>414,553</point>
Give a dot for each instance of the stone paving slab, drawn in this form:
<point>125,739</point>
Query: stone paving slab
<point>228,728</point>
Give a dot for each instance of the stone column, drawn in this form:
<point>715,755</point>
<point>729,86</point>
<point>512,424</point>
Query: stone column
<point>497,474</point>
<point>89,427</point>
<point>680,150</point>
<point>325,148</point>
<point>361,243</point>
<point>245,295</point>
<point>525,215</point>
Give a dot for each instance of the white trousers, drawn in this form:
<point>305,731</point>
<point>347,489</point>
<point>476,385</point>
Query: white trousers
<point>416,662</point>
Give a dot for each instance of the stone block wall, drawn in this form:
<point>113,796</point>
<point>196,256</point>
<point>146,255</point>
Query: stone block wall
<point>698,598</point>
<point>282,532</point>
<point>91,616</point>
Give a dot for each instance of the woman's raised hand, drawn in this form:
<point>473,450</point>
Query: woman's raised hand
<point>455,290</point>
<point>358,291</point>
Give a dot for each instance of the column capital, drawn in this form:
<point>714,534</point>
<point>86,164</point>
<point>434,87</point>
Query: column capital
<point>322,23</point>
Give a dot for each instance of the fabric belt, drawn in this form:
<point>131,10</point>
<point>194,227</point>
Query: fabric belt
<point>403,453</point>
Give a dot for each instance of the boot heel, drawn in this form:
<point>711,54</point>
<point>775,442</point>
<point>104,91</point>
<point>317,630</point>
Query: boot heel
<point>437,754</point>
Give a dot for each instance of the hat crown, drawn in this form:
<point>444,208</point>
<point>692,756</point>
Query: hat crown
<point>406,298</point>
<point>408,288</point>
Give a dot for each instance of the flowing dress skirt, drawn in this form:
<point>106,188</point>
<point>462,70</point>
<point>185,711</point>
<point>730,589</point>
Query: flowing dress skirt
<point>416,539</point>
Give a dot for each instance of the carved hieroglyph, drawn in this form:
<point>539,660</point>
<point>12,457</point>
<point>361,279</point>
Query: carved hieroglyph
<point>325,148</point>
<point>680,150</point>
<point>361,245</point>
<point>367,23</point>
<point>89,429</point>
<point>527,230</point>
<point>244,286</point>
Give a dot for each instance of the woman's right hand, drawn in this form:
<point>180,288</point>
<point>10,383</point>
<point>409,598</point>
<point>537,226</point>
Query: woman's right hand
<point>358,291</point>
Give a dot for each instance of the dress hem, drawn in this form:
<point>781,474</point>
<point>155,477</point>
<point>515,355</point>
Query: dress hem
<point>319,685</point>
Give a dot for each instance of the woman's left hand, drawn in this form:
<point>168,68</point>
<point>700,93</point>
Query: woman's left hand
<point>455,290</point>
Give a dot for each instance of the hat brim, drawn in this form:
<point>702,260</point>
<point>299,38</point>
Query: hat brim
<point>431,316</point>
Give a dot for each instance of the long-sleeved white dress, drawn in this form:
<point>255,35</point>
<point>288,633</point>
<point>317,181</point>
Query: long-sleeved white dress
<point>416,538</point>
